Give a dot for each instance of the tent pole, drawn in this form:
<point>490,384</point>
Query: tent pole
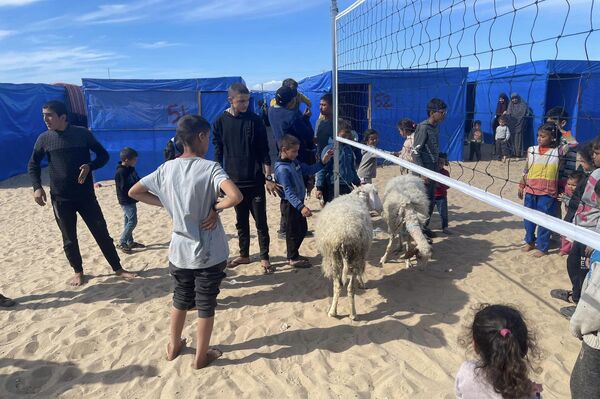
<point>334,87</point>
<point>199,95</point>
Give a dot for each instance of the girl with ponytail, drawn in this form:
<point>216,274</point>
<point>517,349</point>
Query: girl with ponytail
<point>505,347</point>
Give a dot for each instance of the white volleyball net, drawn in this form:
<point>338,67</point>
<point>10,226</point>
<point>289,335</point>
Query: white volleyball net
<point>517,64</point>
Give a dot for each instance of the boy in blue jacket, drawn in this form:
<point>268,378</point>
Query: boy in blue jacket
<point>289,174</point>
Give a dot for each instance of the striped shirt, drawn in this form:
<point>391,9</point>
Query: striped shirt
<point>541,171</point>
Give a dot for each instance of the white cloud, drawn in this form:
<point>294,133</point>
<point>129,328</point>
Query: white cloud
<point>271,85</point>
<point>217,9</point>
<point>67,63</point>
<point>5,33</point>
<point>16,3</point>
<point>157,45</point>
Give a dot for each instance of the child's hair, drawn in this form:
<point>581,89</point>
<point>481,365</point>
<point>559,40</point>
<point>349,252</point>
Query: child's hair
<point>505,347</point>
<point>596,143</point>
<point>128,153</point>
<point>368,133</point>
<point>288,141</point>
<point>476,122</point>
<point>443,157</point>
<point>56,106</point>
<point>586,151</point>
<point>237,88</point>
<point>328,98</point>
<point>291,83</point>
<point>576,175</point>
<point>552,130</point>
<point>435,105</point>
<point>559,113</point>
<point>597,189</point>
<point>407,125</point>
<point>502,119</point>
<point>188,128</point>
<point>344,125</point>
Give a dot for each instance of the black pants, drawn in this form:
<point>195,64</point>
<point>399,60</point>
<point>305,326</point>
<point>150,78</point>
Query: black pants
<point>585,374</point>
<point>576,268</point>
<point>197,287</point>
<point>430,187</point>
<point>474,149</point>
<point>295,229</point>
<point>254,203</point>
<point>65,213</point>
<point>329,193</point>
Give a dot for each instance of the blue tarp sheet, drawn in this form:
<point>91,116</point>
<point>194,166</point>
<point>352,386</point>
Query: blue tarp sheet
<point>395,95</point>
<point>543,85</point>
<point>141,114</point>
<point>21,122</point>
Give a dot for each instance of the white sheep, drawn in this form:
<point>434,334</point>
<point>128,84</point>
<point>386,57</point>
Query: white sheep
<point>344,233</point>
<point>405,210</point>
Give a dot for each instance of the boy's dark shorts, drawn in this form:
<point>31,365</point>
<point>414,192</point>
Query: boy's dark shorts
<point>197,288</point>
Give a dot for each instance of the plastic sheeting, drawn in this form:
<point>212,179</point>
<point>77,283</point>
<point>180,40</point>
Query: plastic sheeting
<point>21,122</point>
<point>393,95</point>
<point>142,114</point>
<point>543,85</point>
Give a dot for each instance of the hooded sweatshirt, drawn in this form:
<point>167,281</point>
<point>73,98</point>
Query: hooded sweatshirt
<point>241,147</point>
<point>125,178</point>
<point>289,174</point>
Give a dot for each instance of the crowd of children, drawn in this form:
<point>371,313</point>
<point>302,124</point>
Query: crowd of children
<point>199,251</point>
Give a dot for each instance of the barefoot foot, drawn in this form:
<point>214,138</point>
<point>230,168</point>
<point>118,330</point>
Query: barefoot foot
<point>172,353</point>
<point>211,355</point>
<point>238,261</point>
<point>77,280</point>
<point>125,274</point>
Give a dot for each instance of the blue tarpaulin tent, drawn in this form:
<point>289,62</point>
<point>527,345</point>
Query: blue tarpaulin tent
<point>141,114</point>
<point>379,98</point>
<point>543,85</point>
<point>21,122</point>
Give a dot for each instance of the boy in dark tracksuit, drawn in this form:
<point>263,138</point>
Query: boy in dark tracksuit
<point>125,178</point>
<point>289,174</point>
<point>242,149</point>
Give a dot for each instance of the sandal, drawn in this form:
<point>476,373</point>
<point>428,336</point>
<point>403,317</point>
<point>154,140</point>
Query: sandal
<point>564,295</point>
<point>236,262</point>
<point>268,269</point>
<point>568,311</point>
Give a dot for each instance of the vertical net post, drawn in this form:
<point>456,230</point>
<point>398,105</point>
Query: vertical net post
<point>334,88</point>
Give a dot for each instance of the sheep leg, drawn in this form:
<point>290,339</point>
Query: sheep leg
<point>388,249</point>
<point>351,296</point>
<point>337,290</point>
<point>360,281</point>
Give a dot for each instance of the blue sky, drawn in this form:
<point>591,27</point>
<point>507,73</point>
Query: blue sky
<point>263,41</point>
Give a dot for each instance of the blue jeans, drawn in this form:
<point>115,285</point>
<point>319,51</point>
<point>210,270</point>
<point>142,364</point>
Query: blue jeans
<point>130,211</point>
<point>545,204</point>
<point>442,207</point>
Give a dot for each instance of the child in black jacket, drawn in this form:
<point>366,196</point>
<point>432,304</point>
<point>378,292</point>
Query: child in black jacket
<point>125,178</point>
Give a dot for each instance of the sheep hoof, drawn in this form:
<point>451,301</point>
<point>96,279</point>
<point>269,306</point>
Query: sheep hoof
<point>352,317</point>
<point>382,261</point>
<point>332,314</point>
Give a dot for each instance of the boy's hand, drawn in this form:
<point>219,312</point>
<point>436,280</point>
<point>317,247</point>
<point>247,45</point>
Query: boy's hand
<point>327,157</point>
<point>211,221</point>
<point>588,251</point>
<point>318,194</point>
<point>520,193</point>
<point>85,169</point>
<point>306,212</point>
<point>307,112</point>
<point>273,188</point>
<point>40,197</point>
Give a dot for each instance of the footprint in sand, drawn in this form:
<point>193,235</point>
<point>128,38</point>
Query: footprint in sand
<point>31,347</point>
<point>82,333</point>
<point>25,382</point>
<point>101,313</point>
<point>79,350</point>
<point>11,336</point>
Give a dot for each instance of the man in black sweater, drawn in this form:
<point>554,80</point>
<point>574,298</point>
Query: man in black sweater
<point>71,187</point>
<point>242,149</point>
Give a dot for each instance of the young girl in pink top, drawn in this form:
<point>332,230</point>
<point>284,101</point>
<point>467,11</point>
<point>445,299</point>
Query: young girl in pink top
<point>504,346</point>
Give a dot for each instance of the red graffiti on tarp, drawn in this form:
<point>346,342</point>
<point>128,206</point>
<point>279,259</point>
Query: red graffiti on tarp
<point>176,111</point>
<point>383,100</point>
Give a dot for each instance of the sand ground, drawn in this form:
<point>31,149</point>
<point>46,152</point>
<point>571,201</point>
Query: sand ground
<point>107,338</point>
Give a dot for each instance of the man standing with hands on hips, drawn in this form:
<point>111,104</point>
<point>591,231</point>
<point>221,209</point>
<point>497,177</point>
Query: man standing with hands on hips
<point>71,188</point>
